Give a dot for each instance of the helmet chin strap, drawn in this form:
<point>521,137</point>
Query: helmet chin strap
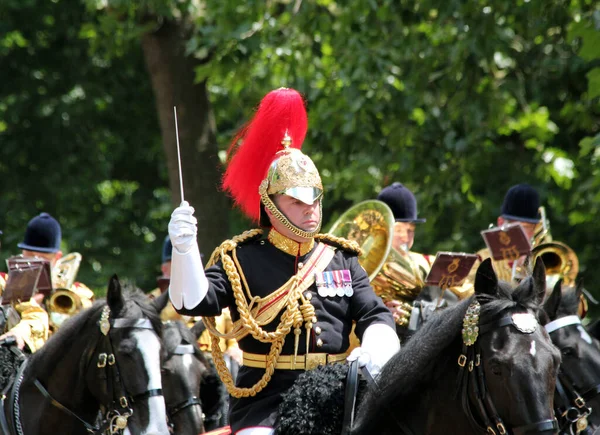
<point>270,205</point>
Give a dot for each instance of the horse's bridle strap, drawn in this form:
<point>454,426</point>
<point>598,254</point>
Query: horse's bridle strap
<point>192,401</point>
<point>541,426</point>
<point>148,394</point>
<point>183,349</point>
<point>562,322</point>
<point>63,408</point>
<point>132,323</point>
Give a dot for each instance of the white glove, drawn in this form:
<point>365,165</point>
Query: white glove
<point>188,284</point>
<point>183,228</point>
<point>378,345</point>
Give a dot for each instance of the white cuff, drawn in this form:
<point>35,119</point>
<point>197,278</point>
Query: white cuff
<point>381,343</point>
<point>188,284</point>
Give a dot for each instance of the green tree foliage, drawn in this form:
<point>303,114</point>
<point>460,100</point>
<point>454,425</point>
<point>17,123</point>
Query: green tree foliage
<point>77,140</point>
<point>458,100</point>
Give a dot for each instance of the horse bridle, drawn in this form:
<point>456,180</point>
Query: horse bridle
<point>183,349</point>
<point>118,411</point>
<point>471,375</point>
<point>573,410</point>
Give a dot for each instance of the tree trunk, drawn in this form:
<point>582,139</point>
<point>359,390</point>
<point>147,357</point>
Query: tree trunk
<point>172,74</point>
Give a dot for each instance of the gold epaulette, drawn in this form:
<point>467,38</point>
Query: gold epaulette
<point>340,242</point>
<point>230,244</point>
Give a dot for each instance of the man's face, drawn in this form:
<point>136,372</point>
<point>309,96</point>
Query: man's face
<point>404,235</point>
<point>52,257</point>
<point>304,216</point>
<point>528,227</point>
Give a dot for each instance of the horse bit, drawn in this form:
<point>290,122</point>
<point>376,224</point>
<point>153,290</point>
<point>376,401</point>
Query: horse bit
<point>471,372</point>
<point>574,410</point>
<point>115,420</point>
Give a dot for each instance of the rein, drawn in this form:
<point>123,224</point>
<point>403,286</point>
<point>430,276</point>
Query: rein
<point>115,420</point>
<point>471,376</point>
<point>573,409</point>
<point>183,349</point>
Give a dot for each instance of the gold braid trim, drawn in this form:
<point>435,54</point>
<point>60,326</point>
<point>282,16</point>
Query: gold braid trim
<point>347,245</point>
<point>292,316</point>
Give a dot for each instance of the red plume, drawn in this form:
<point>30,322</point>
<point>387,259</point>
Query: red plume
<point>254,146</point>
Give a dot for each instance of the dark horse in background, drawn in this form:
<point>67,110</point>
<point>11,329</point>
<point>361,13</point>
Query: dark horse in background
<point>577,396</point>
<point>100,373</point>
<point>194,394</point>
<point>503,382</point>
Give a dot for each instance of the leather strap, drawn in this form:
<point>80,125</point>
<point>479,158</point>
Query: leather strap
<point>350,397</point>
<point>56,403</point>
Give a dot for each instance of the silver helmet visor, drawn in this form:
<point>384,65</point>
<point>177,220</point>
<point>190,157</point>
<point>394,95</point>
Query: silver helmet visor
<point>308,195</point>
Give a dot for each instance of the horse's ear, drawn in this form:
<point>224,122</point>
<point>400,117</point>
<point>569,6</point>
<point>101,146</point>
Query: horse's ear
<point>198,328</point>
<point>114,295</point>
<point>553,302</point>
<point>539,279</point>
<point>161,302</point>
<point>486,280</point>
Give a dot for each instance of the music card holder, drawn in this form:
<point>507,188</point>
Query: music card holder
<point>26,277</point>
<point>450,269</point>
<point>508,242</point>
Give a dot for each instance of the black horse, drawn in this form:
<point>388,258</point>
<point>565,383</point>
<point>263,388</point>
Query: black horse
<point>194,394</point>
<point>100,372</point>
<point>577,396</point>
<point>496,377</point>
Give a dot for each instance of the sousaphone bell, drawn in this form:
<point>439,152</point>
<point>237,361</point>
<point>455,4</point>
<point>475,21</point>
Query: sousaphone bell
<point>394,274</point>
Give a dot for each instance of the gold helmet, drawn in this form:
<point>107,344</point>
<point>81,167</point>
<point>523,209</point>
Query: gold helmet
<point>292,173</point>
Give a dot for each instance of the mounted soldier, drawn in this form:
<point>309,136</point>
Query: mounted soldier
<point>293,293</point>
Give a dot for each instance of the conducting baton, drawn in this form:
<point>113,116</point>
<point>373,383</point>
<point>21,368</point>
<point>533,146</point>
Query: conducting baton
<point>178,154</point>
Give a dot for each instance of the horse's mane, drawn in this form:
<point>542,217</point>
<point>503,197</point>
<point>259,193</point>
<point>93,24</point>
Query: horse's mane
<point>83,323</point>
<point>423,359</point>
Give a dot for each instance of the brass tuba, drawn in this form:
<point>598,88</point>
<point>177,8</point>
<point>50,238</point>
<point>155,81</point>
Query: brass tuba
<point>560,260</point>
<point>394,275</point>
<point>65,303</point>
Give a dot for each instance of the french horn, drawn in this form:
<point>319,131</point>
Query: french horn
<point>394,274</point>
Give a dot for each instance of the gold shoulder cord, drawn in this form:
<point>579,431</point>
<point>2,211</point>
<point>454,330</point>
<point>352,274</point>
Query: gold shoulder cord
<point>348,245</point>
<point>292,316</point>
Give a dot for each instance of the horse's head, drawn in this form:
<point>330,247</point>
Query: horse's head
<point>123,372</point>
<point>519,363</point>
<point>182,373</point>
<point>578,381</point>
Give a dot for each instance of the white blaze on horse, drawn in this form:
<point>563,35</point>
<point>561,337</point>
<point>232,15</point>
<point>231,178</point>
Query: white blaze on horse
<point>104,361</point>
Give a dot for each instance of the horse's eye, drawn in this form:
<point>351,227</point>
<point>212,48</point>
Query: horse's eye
<point>496,369</point>
<point>568,351</point>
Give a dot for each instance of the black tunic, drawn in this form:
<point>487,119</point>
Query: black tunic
<point>266,269</point>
